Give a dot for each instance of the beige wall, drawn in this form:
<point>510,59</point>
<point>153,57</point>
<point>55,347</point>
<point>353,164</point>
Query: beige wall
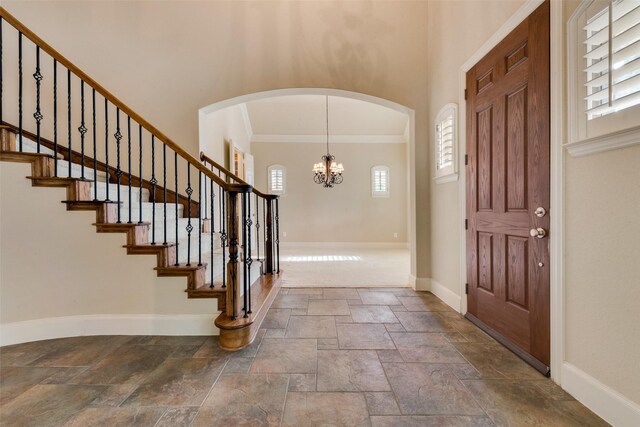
<point>346,213</point>
<point>602,200</point>
<point>220,127</point>
<point>168,59</point>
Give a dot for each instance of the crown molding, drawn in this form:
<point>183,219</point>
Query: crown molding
<point>333,139</point>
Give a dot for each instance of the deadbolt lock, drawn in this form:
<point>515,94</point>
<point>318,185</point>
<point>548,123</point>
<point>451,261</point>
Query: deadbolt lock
<point>540,212</point>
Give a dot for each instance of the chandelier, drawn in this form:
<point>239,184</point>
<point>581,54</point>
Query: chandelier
<point>328,172</point>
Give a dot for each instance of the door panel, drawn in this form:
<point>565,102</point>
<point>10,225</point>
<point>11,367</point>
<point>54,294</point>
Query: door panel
<point>507,179</point>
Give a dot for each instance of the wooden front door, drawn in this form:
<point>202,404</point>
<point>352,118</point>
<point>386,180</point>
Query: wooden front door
<point>507,182</point>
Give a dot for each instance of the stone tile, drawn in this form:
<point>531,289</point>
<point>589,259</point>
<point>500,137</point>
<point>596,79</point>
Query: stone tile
<point>341,293</point>
<point>378,298</point>
<point>177,417</point>
<point>373,314</point>
<point>169,340</point>
<point>129,365</point>
<point>305,291</point>
<point>298,311</point>
<point>275,333</point>
<point>64,375</point>
<point>389,356</point>
<point>276,318</point>
<point>311,327</point>
<point>15,380</point>
<point>394,327</point>
<point>329,307</point>
<point>251,350</point>
<point>431,421</point>
<point>381,403</point>
<point>114,395</point>
<point>302,382</point>
<point>325,409</point>
<point>398,308</point>
<point>350,370</point>
<point>354,302</point>
<point>343,319</point>
<point>72,353</point>
<point>396,291</point>
<point>429,389</point>
<point>244,399</point>
<point>521,403</point>
<point>417,321</point>
<point>182,351</point>
<point>285,355</point>
<point>552,390</point>
<point>426,347</point>
<point>238,365</point>
<point>291,301</point>
<point>495,361</point>
<point>211,350</point>
<point>328,344</point>
<point>24,354</point>
<point>364,336</point>
<point>48,404</point>
<point>423,304</point>
<point>177,382</point>
<point>116,417</point>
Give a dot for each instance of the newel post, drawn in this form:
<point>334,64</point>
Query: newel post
<point>233,235</point>
<point>269,239</point>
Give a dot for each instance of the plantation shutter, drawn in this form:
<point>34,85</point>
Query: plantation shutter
<point>612,56</point>
<point>380,181</point>
<point>277,180</point>
<point>444,143</point>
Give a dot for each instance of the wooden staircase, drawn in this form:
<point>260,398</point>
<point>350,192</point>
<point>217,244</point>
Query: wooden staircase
<point>242,298</point>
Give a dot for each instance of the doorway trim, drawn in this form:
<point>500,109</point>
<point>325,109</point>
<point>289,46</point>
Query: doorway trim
<point>556,207</point>
<point>411,145</point>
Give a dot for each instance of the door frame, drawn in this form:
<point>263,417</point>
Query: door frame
<point>556,207</point>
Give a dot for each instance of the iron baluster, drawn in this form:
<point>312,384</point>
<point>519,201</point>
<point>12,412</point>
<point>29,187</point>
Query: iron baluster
<point>257,229</point>
<point>38,114</point>
<point>129,162</point>
<point>118,137</point>
<point>175,175</point>
<point>205,196</point>
<point>55,118</point>
<point>277,218</point>
<point>82,128</point>
<point>20,87</point>
<point>154,183</point>
<point>70,151</point>
<point>223,233</point>
<point>164,191</point>
<point>211,232</point>
<point>244,255</point>
<point>95,148</point>
<point>200,206</point>
<point>1,73</point>
<point>106,144</point>
<point>189,226</point>
<point>264,230</point>
<point>140,173</point>
<point>247,249</point>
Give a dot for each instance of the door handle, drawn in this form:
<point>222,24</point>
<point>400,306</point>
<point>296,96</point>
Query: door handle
<point>537,232</point>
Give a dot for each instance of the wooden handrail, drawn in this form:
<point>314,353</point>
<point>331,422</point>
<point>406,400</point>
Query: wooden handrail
<point>239,180</point>
<point>241,188</point>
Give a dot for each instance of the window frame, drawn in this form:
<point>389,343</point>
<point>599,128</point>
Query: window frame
<point>374,192</point>
<point>447,173</point>
<point>614,130</point>
<point>270,182</point>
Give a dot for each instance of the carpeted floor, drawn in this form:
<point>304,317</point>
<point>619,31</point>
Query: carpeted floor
<point>344,267</point>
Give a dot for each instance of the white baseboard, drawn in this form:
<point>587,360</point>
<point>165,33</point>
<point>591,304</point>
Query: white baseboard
<point>412,281</point>
<point>607,403</point>
<point>446,295</point>
<point>423,284</point>
<point>345,245</point>
<point>133,324</point>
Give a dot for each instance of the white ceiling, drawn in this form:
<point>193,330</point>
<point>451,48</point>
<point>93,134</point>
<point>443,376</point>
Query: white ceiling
<point>302,118</point>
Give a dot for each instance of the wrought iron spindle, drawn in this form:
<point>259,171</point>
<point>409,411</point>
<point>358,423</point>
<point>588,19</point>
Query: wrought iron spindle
<point>95,148</point>
<point>38,114</point>
<point>264,231</point>
<point>20,87</point>
<point>69,152</point>
<point>257,228</point>
<point>1,73</point>
<point>55,118</point>
<point>164,191</point>
<point>140,173</point>
<point>175,176</point>
<point>277,218</point>
<point>118,137</point>
<point>200,206</point>
<point>247,248</point>
<point>206,217</point>
<point>189,228</point>
<point>245,286</point>
<point>129,162</point>
<point>223,233</point>
<point>82,128</point>
<point>106,144</point>
<point>154,184</point>
<point>211,232</point>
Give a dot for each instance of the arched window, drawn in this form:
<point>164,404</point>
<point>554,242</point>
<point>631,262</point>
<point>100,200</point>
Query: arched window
<point>446,138</point>
<point>277,176</point>
<point>380,181</point>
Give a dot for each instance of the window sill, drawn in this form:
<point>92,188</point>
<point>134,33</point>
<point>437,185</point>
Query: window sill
<point>446,178</point>
<point>599,144</point>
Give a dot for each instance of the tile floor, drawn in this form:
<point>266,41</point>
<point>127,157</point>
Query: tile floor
<point>325,357</point>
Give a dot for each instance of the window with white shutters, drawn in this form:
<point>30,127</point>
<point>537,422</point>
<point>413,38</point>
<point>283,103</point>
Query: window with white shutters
<point>445,143</point>
<point>380,181</point>
<point>604,73</point>
<point>277,176</point>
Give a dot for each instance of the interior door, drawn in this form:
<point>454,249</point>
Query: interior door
<point>508,191</point>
